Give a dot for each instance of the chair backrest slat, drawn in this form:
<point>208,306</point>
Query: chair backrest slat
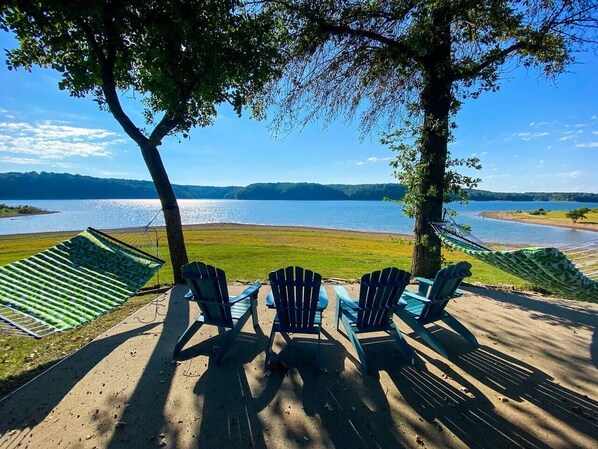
<point>208,285</point>
<point>379,294</point>
<point>443,289</point>
<point>296,292</point>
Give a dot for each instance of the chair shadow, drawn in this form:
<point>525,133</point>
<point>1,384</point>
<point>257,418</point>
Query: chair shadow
<point>463,410</point>
<point>352,406</point>
<point>227,409</point>
<point>31,404</point>
<point>520,381</point>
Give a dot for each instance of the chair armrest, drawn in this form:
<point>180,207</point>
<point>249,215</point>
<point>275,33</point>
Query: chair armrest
<point>412,295</point>
<point>270,300</point>
<point>322,298</point>
<point>424,281</point>
<point>343,295</point>
<point>245,293</point>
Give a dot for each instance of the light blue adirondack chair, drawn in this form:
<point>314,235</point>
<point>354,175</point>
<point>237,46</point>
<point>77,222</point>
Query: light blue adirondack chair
<point>299,299</point>
<point>379,294</point>
<point>208,289</point>
<point>428,305</point>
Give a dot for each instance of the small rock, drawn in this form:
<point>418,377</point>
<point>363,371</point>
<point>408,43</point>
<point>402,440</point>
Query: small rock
<point>120,424</point>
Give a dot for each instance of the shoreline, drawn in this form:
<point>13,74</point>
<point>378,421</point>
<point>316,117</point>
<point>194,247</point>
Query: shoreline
<point>17,214</point>
<point>508,216</point>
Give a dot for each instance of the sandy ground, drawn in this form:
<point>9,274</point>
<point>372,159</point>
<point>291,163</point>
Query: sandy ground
<point>533,383</point>
<point>507,216</point>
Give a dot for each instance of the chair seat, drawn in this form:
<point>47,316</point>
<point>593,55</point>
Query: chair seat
<point>413,306</point>
<point>238,309</point>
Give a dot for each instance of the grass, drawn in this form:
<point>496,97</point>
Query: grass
<point>245,253</point>
<point>21,359</point>
<point>557,217</point>
<point>14,211</point>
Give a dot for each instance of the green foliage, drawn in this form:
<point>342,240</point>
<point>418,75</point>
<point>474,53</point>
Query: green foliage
<point>578,214</point>
<point>539,211</point>
<point>410,170</point>
<point>181,57</point>
<point>8,211</point>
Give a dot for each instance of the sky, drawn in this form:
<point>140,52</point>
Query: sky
<point>531,135</point>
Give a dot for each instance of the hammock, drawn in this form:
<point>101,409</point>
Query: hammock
<point>571,272</point>
<point>71,284</point>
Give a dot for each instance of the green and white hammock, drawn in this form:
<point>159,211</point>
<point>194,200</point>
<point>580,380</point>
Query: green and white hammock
<point>71,284</point>
<point>570,272</point>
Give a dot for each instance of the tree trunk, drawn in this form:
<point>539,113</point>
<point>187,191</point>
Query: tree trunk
<point>436,99</point>
<point>170,207</point>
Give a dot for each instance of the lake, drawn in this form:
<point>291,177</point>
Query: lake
<point>377,216</point>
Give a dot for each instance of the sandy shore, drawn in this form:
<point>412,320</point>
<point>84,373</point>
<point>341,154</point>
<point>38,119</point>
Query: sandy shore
<point>533,382</point>
<point>508,216</point>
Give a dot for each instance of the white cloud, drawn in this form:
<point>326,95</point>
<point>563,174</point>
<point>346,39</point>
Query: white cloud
<point>484,153</point>
<point>48,140</point>
<point>567,137</point>
<point>587,145</point>
<point>571,174</point>
<point>378,159</point>
<point>529,135</point>
<point>21,160</point>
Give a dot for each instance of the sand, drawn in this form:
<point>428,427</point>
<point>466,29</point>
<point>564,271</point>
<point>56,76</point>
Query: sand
<point>533,382</point>
<point>508,216</point>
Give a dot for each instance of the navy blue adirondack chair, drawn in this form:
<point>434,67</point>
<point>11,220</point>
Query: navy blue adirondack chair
<point>379,294</point>
<point>208,289</point>
<point>299,299</point>
<point>427,305</point>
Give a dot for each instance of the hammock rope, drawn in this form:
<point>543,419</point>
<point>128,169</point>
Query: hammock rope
<point>73,283</point>
<point>570,271</point>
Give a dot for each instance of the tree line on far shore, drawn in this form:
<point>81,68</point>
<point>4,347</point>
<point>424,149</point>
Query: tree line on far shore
<point>46,185</point>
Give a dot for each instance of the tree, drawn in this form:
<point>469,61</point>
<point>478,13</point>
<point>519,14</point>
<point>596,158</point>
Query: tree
<point>181,58</point>
<point>578,214</point>
<point>386,60</point>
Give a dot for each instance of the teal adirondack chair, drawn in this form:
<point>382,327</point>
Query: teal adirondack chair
<point>428,305</point>
<point>299,299</point>
<point>379,294</point>
<point>208,289</point>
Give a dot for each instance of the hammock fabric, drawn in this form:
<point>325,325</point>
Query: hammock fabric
<point>72,283</point>
<point>548,268</point>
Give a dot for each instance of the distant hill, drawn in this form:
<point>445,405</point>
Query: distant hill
<point>33,185</point>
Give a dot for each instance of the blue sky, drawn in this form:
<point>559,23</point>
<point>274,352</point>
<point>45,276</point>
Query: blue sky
<point>532,135</point>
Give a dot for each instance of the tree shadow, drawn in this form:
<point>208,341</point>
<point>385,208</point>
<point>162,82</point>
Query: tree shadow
<point>520,381</point>
<point>350,406</point>
<point>564,312</point>
<point>31,404</point>
<point>144,408</point>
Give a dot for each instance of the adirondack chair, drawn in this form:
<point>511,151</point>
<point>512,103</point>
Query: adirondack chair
<point>208,289</point>
<point>427,305</point>
<point>299,299</point>
<point>379,294</point>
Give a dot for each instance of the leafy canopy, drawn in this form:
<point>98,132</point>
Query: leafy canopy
<point>373,58</point>
<point>181,57</point>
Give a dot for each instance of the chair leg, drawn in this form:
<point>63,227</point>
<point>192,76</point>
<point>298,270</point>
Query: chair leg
<point>191,330</point>
<point>460,329</point>
<point>230,337</point>
<point>420,330</point>
<point>254,310</point>
<point>337,312</point>
<point>269,348</point>
<point>355,342</point>
<point>403,345</point>
<point>318,359</point>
